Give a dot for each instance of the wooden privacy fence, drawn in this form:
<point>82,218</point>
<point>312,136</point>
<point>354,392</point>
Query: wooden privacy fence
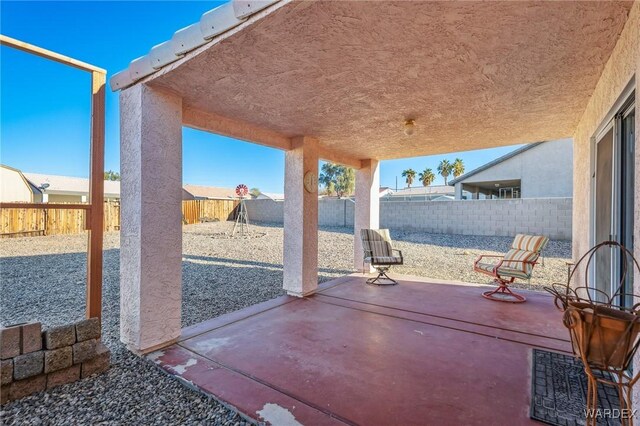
<point>22,222</point>
<point>196,211</point>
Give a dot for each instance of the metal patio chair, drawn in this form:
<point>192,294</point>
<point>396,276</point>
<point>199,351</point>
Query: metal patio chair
<point>380,254</point>
<point>518,263</point>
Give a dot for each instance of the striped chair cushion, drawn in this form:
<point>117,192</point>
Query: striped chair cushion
<point>376,243</point>
<point>384,260</point>
<point>503,271</point>
<point>521,256</point>
<point>533,243</point>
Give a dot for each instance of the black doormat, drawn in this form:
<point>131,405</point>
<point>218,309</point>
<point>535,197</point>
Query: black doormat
<point>559,391</point>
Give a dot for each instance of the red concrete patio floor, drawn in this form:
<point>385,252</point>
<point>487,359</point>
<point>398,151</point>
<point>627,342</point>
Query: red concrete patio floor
<point>420,352</point>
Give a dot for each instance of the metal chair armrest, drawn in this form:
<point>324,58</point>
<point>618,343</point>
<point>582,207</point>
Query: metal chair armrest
<point>399,252</point>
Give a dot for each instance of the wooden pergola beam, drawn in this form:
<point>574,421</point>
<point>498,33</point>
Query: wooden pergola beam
<point>48,54</point>
<point>95,208</point>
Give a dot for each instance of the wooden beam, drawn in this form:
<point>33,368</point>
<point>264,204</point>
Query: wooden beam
<point>96,196</point>
<point>234,128</point>
<point>70,206</point>
<point>29,48</point>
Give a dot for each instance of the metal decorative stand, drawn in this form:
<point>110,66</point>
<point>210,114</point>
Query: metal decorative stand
<point>242,219</point>
<point>605,333</point>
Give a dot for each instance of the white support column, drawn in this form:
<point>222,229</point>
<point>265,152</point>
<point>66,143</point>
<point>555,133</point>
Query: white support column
<point>458,191</point>
<point>367,213</point>
<point>300,219</point>
<point>151,217</point>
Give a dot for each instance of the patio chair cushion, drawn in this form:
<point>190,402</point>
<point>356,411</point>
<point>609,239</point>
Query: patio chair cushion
<point>503,271</point>
<point>384,260</point>
<point>531,243</point>
<point>376,243</point>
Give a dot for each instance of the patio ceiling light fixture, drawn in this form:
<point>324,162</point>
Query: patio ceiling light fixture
<point>409,126</point>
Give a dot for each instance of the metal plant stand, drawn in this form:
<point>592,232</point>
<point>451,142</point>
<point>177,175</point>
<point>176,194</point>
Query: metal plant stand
<point>605,334</point>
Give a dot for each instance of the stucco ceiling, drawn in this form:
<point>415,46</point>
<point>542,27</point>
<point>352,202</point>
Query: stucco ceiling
<point>472,74</point>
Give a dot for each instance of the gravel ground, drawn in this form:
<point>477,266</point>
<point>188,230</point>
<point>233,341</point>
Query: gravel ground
<point>43,278</point>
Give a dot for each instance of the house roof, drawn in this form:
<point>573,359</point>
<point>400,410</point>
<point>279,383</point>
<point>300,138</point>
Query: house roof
<point>273,195</point>
<point>210,191</point>
<point>69,185</point>
<point>423,190</point>
<point>212,27</point>
<point>494,162</point>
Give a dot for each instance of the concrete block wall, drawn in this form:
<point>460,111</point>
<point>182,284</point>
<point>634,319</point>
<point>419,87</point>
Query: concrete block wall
<point>32,361</point>
<point>544,216</point>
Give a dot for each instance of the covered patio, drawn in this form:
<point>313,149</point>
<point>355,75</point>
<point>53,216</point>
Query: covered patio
<point>337,81</point>
<point>422,352</point>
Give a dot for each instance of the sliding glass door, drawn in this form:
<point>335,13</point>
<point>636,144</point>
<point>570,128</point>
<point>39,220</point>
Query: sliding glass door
<point>614,200</point>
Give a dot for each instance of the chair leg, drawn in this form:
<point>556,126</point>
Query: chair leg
<point>503,293</point>
<point>382,278</point>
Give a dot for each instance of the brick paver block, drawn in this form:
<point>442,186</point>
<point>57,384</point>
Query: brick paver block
<point>99,363</point>
<point>26,387</point>
<point>64,376</point>
<point>88,329</point>
<point>57,359</point>
<point>28,365</point>
<point>9,342</point>
<point>58,337</point>
<point>4,393</point>
<point>84,351</point>
<point>31,337</point>
<point>6,371</point>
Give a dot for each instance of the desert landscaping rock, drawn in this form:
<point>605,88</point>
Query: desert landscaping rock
<point>220,275</point>
<point>60,336</point>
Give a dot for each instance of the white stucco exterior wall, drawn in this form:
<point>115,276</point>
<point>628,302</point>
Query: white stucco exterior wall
<point>151,226</point>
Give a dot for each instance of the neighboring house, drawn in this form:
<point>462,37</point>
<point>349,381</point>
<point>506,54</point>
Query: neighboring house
<point>14,187</point>
<point>270,196</point>
<point>385,191</point>
<point>41,188</point>
<point>538,170</point>
<point>197,192</point>
<point>419,193</point>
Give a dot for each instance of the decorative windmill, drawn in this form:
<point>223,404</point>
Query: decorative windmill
<point>242,219</point>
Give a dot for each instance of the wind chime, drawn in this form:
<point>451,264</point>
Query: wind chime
<point>242,219</point>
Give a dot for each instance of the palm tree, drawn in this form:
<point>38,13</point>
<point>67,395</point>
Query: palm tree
<point>410,174</point>
<point>426,177</point>
<point>444,168</point>
<point>458,167</point>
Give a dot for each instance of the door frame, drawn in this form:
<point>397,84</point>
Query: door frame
<point>621,108</point>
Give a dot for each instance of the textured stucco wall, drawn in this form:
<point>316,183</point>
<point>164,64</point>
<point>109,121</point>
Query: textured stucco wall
<point>545,170</point>
<point>623,65</point>
<point>547,216</point>
<point>300,258</point>
<point>151,227</point>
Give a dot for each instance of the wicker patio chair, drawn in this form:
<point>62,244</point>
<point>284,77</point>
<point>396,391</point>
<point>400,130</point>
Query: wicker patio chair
<point>379,252</point>
<point>518,263</point>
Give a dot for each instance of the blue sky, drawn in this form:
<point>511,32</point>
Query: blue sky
<point>44,106</point>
